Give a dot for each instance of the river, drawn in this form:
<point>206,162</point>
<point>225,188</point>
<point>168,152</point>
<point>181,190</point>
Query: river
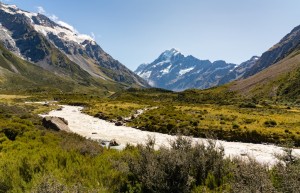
<point>97,129</point>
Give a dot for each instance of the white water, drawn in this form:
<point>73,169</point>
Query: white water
<point>95,128</point>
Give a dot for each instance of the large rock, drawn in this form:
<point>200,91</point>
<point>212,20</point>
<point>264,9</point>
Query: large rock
<point>119,123</point>
<point>101,115</point>
<point>113,142</point>
<point>56,123</point>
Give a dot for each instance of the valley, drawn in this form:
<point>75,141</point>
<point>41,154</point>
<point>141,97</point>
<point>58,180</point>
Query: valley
<point>60,156</point>
<point>176,125</point>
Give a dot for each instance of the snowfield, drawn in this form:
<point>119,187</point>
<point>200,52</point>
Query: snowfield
<point>94,128</point>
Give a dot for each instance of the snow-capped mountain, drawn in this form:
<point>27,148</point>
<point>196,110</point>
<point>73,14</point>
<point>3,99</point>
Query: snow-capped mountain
<point>58,48</point>
<point>174,71</point>
<point>239,71</point>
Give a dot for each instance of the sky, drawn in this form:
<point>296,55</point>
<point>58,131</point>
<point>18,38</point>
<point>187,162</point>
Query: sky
<point>138,31</point>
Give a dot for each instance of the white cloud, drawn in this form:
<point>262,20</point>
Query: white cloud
<point>53,17</point>
<point>64,24</point>
<point>41,10</point>
<point>93,35</point>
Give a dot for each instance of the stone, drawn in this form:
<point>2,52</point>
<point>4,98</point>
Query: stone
<point>101,115</point>
<point>56,124</point>
<point>113,142</point>
<point>119,123</point>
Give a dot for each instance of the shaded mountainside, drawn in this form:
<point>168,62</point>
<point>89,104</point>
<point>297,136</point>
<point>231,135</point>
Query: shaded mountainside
<point>18,75</point>
<point>174,71</point>
<point>59,49</point>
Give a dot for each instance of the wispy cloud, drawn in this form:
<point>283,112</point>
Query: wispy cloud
<point>41,10</point>
<point>93,35</point>
<point>53,17</point>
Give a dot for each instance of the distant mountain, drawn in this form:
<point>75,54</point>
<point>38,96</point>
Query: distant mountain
<point>59,49</point>
<point>174,71</point>
<point>276,74</point>
<point>239,71</point>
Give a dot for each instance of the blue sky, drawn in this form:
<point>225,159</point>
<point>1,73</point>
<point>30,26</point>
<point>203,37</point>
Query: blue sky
<point>137,31</point>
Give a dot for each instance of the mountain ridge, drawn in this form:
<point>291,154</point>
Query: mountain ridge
<point>172,70</point>
<point>276,74</point>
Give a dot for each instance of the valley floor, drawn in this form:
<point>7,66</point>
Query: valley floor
<point>97,129</point>
<point>36,159</point>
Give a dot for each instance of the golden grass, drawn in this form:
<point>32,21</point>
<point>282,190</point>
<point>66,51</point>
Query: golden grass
<point>9,97</point>
<point>113,109</point>
<point>287,120</point>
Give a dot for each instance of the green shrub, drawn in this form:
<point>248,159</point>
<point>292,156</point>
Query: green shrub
<point>235,126</point>
<point>270,123</point>
<point>247,105</point>
<point>180,168</point>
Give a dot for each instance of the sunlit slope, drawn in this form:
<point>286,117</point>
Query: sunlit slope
<point>281,80</point>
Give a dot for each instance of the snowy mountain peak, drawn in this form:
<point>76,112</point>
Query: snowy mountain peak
<point>47,26</point>
<point>254,58</point>
<point>6,7</point>
<point>13,9</point>
<point>173,71</point>
<point>168,54</point>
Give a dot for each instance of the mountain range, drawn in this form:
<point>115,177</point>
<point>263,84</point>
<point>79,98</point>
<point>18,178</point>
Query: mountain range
<point>275,74</point>
<point>174,71</point>
<point>60,50</point>
<point>37,53</point>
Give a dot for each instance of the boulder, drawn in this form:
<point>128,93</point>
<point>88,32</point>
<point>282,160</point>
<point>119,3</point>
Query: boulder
<point>113,142</point>
<point>56,123</point>
<point>119,123</point>
<point>101,115</point>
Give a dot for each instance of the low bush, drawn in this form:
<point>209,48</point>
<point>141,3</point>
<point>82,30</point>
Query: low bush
<point>270,123</point>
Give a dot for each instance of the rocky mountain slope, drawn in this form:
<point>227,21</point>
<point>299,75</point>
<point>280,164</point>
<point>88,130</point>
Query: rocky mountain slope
<point>56,48</point>
<point>277,73</point>
<point>174,71</point>
<point>279,51</point>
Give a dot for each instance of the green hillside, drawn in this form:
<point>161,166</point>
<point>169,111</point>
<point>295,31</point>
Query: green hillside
<point>280,81</point>
<point>17,75</point>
